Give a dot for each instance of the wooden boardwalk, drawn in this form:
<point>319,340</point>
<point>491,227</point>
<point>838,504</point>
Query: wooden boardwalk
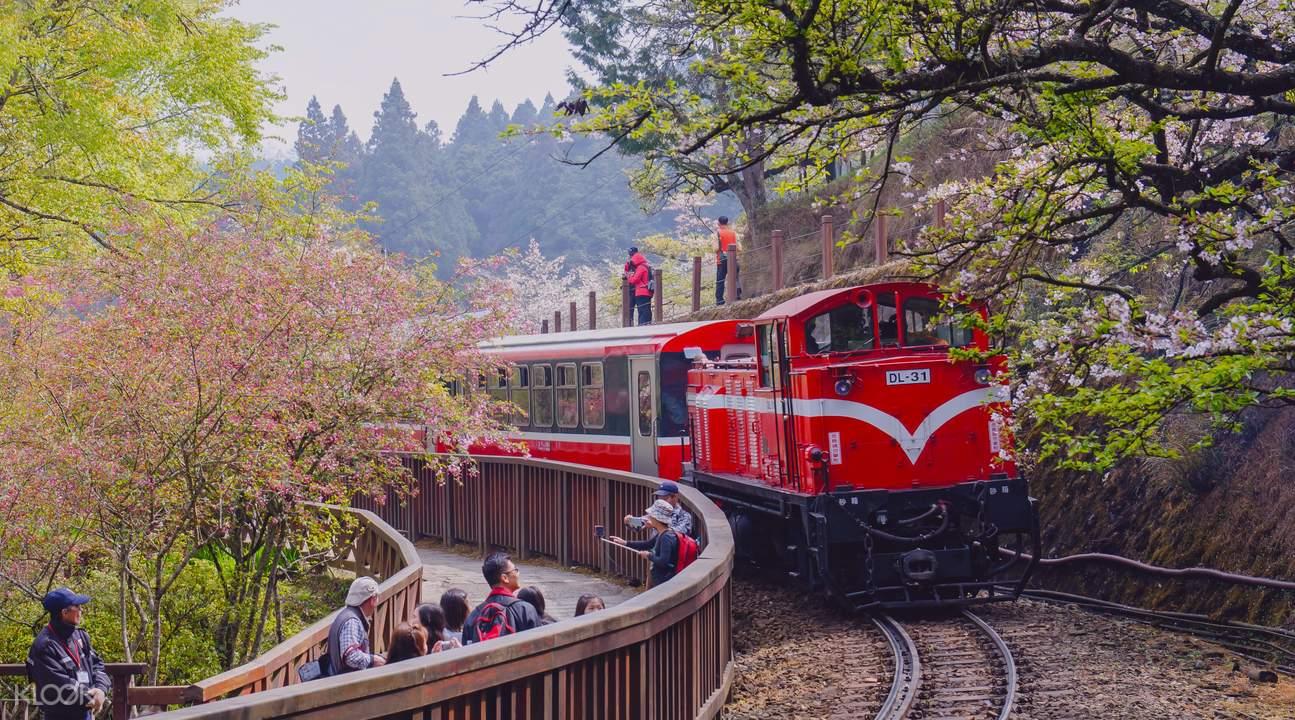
<point>444,569</point>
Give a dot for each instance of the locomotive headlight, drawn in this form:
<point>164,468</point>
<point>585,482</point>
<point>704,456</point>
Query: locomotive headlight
<point>982,376</point>
<point>844,385</point>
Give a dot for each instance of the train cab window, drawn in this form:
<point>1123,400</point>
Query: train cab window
<point>592,406</point>
<point>926,324</point>
<point>764,349</point>
<point>542,395</point>
<point>840,329</point>
<point>887,319</point>
<point>519,384</point>
<point>568,394</point>
<point>645,403</point>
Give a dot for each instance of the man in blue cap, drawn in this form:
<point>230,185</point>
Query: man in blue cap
<point>680,519</point>
<point>71,682</point>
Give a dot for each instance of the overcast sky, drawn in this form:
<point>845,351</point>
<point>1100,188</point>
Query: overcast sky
<point>346,52</point>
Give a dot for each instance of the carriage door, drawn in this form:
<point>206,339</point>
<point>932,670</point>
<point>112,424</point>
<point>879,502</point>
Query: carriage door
<point>643,409</point>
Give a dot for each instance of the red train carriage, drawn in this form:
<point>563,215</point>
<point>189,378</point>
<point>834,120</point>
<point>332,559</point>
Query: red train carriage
<point>612,398</point>
<point>844,442</point>
<point>856,453</point>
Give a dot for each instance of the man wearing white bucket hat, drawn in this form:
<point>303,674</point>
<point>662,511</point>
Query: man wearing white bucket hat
<point>348,638</point>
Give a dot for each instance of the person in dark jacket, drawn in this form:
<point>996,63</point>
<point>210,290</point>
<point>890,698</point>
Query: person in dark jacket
<point>71,680</point>
<point>535,597</point>
<point>637,274</point>
<point>662,549</point>
<point>504,579</point>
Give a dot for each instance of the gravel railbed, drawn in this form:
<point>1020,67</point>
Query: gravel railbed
<point>798,658</point>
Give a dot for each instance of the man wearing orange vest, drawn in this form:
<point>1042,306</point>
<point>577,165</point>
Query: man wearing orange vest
<point>726,239</point>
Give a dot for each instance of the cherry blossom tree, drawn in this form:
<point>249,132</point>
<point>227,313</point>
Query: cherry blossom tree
<point>187,399</point>
<point>533,286</point>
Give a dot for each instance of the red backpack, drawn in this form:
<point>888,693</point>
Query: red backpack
<point>687,552</point>
<point>493,622</point>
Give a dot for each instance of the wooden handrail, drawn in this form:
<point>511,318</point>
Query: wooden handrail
<point>119,673</point>
<point>666,653</point>
<point>377,550</point>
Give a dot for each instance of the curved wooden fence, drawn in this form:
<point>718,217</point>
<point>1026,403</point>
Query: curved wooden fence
<point>663,654</point>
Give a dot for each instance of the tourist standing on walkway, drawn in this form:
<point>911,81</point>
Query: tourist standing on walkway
<point>588,603</point>
<point>725,238</point>
<point>348,637</point>
<point>501,613</point>
<point>407,642</point>
<point>663,548</point>
<point>535,597</point>
<point>454,603</point>
<point>71,682</point>
<point>639,275</point>
<point>680,519</point>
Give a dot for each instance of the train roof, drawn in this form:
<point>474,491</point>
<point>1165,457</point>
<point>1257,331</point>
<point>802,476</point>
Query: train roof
<point>811,301</point>
<point>704,333</point>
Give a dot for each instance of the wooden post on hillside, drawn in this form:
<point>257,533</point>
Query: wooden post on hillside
<point>829,244</point>
<point>776,259</point>
<point>626,310</point>
<point>940,209</point>
<point>593,310</point>
<point>657,315</point>
<point>544,327</point>
<point>696,283</point>
<point>574,318</point>
<point>882,243</point>
<point>557,321</point>
<point>731,281</point>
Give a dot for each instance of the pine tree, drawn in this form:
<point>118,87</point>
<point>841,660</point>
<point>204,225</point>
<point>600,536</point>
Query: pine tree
<point>313,142</point>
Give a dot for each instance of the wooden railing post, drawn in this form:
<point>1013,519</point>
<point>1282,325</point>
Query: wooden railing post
<point>544,327</point>
<point>776,259</point>
<point>593,310</point>
<point>731,280</point>
<point>829,244</point>
<point>557,321</point>
<point>882,242</point>
<point>626,310</point>
<point>574,316</point>
<point>657,304</point>
<point>940,209</point>
<point>696,283</point>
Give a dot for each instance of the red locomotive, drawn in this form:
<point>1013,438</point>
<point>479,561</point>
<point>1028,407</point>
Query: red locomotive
<point>847,446</point>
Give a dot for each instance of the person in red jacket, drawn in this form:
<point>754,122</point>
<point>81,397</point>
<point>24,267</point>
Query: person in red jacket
<point>726,238</point>
<point>638,274</point>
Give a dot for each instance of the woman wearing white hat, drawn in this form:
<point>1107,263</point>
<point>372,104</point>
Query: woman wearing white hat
<point>662,549</point>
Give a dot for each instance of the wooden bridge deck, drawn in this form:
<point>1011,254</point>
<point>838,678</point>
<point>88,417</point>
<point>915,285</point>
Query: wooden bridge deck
<point>444,569</point>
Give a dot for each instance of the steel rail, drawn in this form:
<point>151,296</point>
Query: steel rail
<point>1009,664</point>
<point>908,669</point>
<point>1244,639</point>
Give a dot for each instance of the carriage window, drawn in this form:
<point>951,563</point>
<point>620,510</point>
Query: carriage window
<point>496,385</point>
<point>764,347</point>
<point>542,395</point>
<point>887,320</point>
<point>591,395</point>
<point>520,387</point>
<point>926,324</point>
<point>568,396</point>
<point>645,403</point>
<point>841,329</point>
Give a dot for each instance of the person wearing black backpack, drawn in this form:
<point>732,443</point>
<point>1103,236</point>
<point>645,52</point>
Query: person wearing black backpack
<point>502,613</point>
<point>668,551</point>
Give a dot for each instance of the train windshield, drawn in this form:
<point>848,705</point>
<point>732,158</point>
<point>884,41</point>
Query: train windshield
<point>925,323</point>
<point>841,329</point>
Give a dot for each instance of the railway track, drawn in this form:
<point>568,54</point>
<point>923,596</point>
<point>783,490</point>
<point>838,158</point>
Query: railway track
<point>947,670</point>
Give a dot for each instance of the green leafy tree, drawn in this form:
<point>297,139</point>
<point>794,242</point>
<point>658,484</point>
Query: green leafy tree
<point>100,105</point>
<point>1136,229</point>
